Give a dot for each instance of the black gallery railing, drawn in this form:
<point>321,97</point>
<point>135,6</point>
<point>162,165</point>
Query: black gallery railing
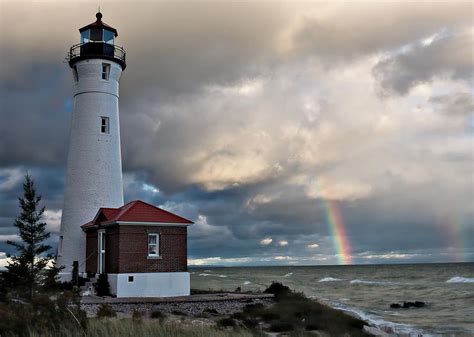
<point>99,49</point>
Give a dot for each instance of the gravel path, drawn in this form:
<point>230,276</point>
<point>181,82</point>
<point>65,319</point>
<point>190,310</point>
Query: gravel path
<point>193,305</point>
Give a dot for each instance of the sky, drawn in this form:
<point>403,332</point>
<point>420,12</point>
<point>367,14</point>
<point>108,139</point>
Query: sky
<point>291,133</point>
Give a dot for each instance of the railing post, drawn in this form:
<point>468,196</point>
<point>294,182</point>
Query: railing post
<point>75,273</point>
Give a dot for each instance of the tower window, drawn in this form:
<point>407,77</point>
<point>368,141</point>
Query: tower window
<point>75,74</point>
<point>105,71</point>
<point>104,125</point>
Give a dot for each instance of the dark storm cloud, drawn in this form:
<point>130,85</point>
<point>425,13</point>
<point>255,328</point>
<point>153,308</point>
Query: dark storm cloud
<point>35,112</point>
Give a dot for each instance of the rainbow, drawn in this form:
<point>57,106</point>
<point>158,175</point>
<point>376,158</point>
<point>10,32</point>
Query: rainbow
<point>336,226</point>
<point>455,238</point>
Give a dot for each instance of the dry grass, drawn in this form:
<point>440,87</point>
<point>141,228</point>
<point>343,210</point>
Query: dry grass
<point>130,328</point>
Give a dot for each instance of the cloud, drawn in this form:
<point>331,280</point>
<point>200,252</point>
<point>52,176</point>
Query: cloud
<point>337,32</point>
<point>313,245</point>
<point>53,220</point>
<point>10,237</point>
<point>246,128</point>
<point>3,260</point>
<point>266,241</point>
<point>449,56</point>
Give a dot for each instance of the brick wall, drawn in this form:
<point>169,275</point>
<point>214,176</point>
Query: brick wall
<point>127,250</point>
<point>112,250</point>
<point>91,252</point>
<point>133,254</point>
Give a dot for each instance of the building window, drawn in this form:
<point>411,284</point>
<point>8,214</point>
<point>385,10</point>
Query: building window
<point>75,74</point>
<point>130,279</point>
<point>153,245</point>
<point>105,71</point>
<point>104,125</point>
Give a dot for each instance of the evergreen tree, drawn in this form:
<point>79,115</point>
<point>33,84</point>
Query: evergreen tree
<point>27,270</point>
<point>32,300</point>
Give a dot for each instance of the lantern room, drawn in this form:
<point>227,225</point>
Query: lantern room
<point>97,41</point>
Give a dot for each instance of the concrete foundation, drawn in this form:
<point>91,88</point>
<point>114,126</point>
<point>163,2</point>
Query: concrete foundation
<point>150,284</point>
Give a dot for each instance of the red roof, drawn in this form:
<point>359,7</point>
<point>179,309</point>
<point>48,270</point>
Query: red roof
<point>135,211</point>
<point>99,24</point>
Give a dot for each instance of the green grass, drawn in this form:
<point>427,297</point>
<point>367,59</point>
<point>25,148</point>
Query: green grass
<point>130,328</point>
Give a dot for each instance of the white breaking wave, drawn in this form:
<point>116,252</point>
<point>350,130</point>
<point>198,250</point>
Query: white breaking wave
<point>288,275</point>
<point>384,325</point>
<point>247,283</point>
<point>371,282</point>
<point>216,275</point>
<point>460,279</point>
<point>330,279</point>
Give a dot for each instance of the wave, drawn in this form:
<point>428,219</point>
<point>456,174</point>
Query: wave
<point>330,279</point>
<point>379,323</point>
<point>372,282</point>
<point>288,275</point>
<point>216,275</point>
<point>460,279</point>
<point>246,283</point>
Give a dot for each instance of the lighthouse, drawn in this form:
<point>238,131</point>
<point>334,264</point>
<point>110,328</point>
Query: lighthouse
<point>94,166</point>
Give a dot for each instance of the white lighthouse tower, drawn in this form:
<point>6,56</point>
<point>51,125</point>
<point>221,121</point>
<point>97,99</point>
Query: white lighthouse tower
<point>94,166</point>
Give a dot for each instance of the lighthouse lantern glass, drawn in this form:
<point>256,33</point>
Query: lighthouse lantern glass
<point>85,36</point>
<point>96,35</point>
<point>108,37</point>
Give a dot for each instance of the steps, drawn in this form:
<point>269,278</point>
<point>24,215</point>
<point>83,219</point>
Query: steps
<point>88,288</point>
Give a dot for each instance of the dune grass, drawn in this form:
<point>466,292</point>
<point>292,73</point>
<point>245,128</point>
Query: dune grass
<point>130,328</point>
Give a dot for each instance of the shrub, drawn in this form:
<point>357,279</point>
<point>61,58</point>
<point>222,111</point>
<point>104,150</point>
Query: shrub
<point>270,316</point>
<point>253,308</point>
<point>210,311</point>
<point>227,322</point>
<point>312,326</point>
<point>278,289</point>
<point>178,313</point>
<point>157,315</point>
<point>137,315</point>
<point>106,310</point>
<point>281,326</point>
<point>102,286</point>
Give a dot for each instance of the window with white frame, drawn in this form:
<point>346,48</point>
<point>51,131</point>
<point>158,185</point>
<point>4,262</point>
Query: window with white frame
<point>104,124</point>
<point>105,71</point>
<point>153,244</point>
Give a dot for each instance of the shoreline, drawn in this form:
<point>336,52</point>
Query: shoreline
<point>208,309</point>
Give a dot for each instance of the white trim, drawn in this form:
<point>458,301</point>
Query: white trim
<point>101,251</point>
<point>153,223</point>
<point>163,224</point>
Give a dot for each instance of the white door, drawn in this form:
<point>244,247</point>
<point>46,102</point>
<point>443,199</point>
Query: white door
<point>101,249</point>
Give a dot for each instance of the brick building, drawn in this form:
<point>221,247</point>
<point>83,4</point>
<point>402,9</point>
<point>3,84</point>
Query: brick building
<point>142,249</point>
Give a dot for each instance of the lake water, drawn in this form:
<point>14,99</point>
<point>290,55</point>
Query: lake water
<point>368,290</point>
